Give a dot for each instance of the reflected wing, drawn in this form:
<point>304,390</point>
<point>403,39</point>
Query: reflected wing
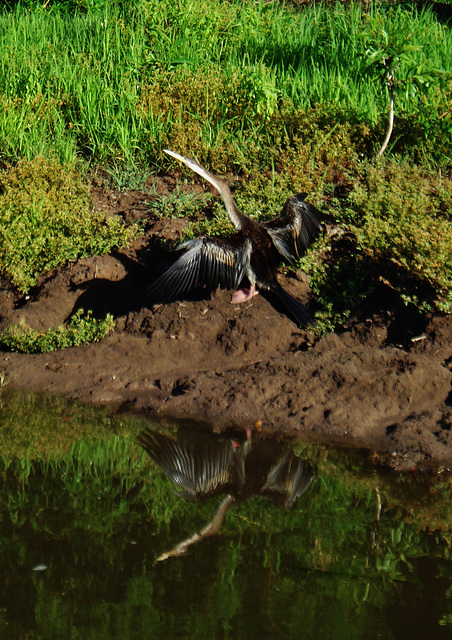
<point>295,228</point>
<point>204,262</point>
<point>289,479</point>
<point>198,468</point>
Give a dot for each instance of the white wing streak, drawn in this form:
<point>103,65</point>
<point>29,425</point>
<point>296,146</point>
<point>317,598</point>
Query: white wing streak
<point>205,262</point>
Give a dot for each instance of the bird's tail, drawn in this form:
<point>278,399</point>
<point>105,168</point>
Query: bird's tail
<point>298,311</point>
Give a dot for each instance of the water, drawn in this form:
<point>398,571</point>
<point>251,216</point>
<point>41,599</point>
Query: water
<point>97,542</point>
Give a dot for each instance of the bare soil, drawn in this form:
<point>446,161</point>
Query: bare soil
<point>384,382</point>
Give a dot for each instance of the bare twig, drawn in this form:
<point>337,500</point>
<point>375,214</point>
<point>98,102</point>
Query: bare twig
<point>390,80</point>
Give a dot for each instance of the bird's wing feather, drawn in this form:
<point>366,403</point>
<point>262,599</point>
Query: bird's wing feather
<point>197,468</point>
<point>204,262</point>
<point>290,478</point>
<point>295,228</point>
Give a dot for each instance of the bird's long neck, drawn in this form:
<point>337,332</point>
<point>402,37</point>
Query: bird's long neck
<point>238,219</point>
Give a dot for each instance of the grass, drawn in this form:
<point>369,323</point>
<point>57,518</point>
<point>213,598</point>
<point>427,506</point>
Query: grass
<point>81,329</point>
<point>288,99</point>
<point>114,83</point>
<point>46,219</point>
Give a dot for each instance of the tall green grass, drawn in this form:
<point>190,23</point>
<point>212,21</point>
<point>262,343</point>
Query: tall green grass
<point>70,84</point>
<point>115,83</point>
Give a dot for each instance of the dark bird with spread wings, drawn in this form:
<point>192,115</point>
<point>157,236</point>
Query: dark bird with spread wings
<point>203,464</point>
<point>251,254</point>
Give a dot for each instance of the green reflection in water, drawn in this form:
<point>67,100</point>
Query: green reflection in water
<point>84,513</point>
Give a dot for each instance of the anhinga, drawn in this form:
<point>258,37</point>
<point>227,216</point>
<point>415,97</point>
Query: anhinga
<point>203,465</point>
<point>252,252</point>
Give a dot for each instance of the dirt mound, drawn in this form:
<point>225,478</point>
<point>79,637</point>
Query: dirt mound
<point>384,382</point>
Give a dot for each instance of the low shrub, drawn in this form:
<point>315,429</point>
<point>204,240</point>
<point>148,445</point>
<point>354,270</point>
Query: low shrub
<point>81,329</point>
<point>46,219</point>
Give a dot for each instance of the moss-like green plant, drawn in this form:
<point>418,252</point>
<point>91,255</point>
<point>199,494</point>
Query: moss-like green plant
<point>81,329</point>
<point>178,204</point>
<point>46,219</point>
<point>405,220</point>
<point>397,228</point>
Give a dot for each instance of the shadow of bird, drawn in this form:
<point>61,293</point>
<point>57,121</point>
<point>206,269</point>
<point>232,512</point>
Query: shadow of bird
<point>251,255</point>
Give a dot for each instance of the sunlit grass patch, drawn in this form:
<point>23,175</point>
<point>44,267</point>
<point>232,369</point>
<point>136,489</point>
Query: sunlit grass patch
<point>396,226</point>
<point>120,80</point>
<point>81,329</point>
<point>46,219</point>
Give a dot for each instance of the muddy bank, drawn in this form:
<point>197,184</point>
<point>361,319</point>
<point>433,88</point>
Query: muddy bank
<point>383,382</point>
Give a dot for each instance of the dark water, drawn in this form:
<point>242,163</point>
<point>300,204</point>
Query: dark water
<point>97,542</point>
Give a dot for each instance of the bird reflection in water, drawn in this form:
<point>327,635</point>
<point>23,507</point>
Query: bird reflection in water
<point>203,464</point>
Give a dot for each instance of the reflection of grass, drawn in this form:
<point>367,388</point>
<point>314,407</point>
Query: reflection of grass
<point>423,498</point>
<point>39,427</point>
<point>90,443</point>
<point>78,490</point>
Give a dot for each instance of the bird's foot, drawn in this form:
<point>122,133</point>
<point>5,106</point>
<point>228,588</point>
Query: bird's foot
<point>242,295</point>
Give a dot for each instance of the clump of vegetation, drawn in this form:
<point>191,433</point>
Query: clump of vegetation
<point>81,329</point>
<point>405,215</point>
<point>178,204</point>
<point>285,97</point>
<point>46,219</point>
<point>396,228</point>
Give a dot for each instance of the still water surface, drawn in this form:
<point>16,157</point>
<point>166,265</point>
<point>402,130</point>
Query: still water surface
<point>209,536</point>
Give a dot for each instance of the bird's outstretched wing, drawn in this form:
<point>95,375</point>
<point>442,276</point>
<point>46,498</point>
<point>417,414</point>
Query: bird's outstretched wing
<point>289,479</point>
<point>198,469</point>
<point>295,228</point>
<point>203,262</point>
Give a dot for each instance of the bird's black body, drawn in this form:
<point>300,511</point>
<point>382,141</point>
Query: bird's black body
<point>251,254</point>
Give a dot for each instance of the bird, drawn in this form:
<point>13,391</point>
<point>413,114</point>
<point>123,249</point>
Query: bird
<point>250,254</point>
<point>200,465</point>
<point>203,465</point>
